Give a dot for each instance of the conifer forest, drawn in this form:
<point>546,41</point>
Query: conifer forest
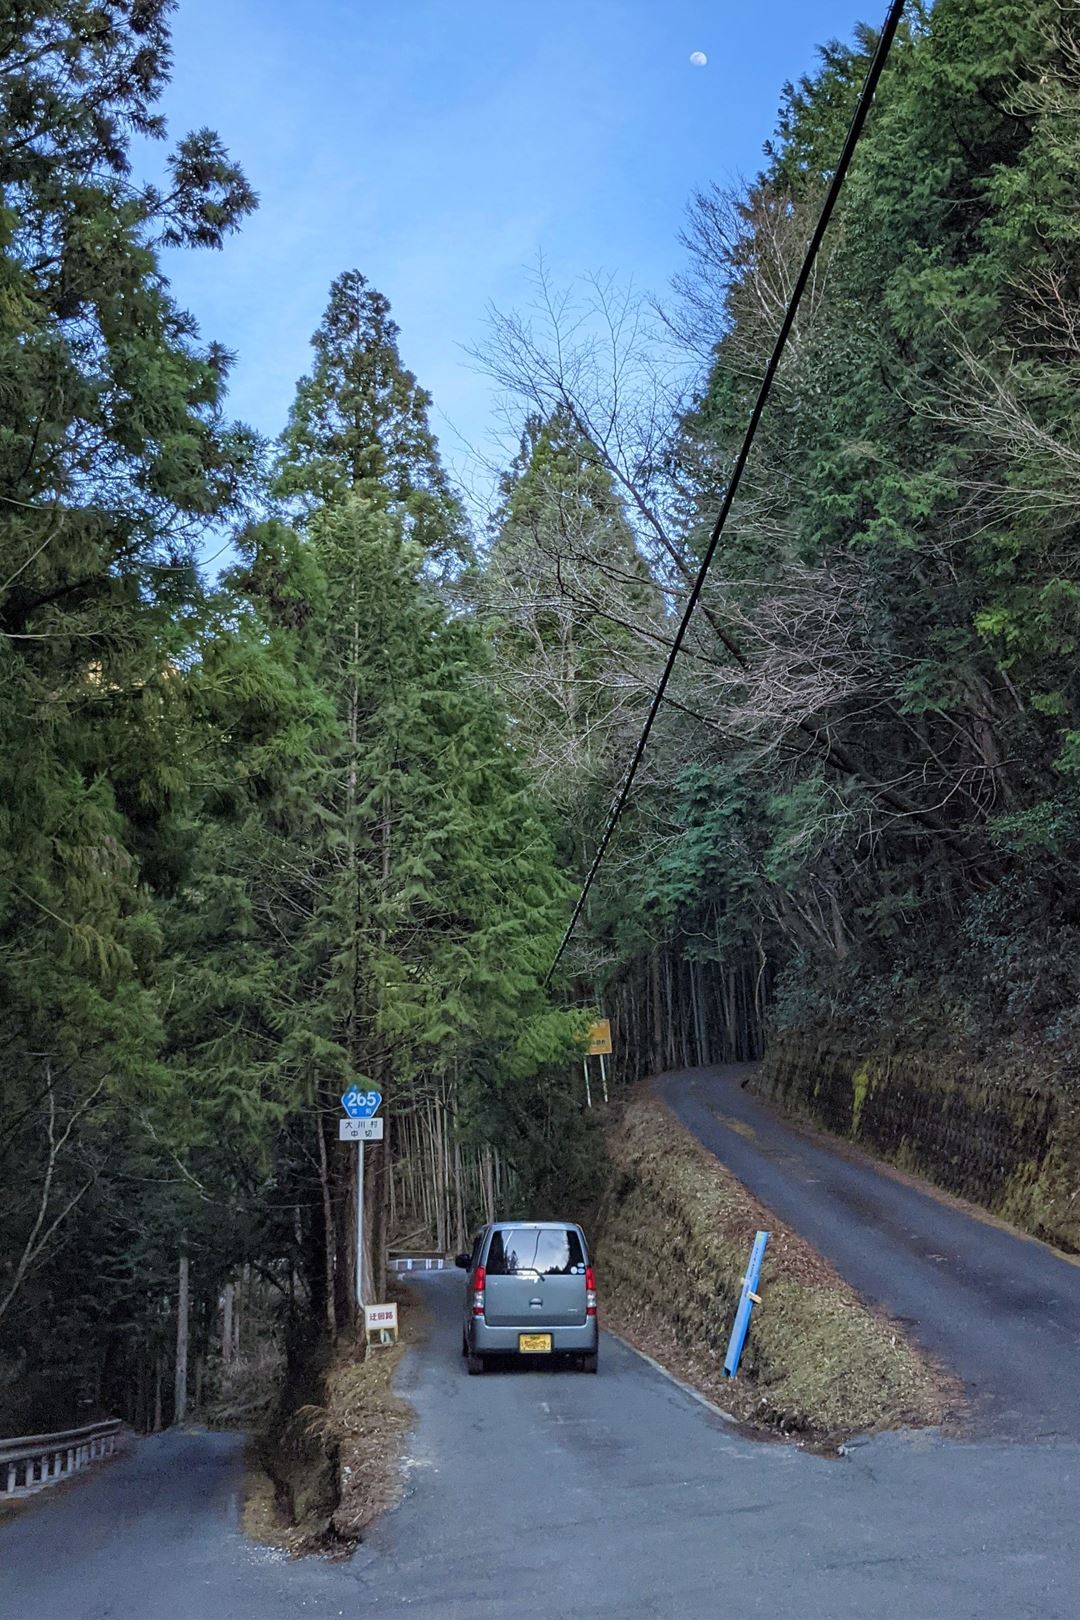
<point>305,752</point>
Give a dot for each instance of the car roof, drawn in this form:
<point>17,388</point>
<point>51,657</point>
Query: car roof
<point>516,1226</point>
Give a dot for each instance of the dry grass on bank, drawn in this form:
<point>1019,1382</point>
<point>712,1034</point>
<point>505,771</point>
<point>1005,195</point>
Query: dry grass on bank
<point>675,1233</point>
<point>242,1393</point>
<point>319,1481</point>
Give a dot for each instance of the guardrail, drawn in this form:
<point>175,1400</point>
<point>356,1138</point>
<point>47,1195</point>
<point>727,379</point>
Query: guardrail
<point>418,1262</point>
<point>34,1461</point>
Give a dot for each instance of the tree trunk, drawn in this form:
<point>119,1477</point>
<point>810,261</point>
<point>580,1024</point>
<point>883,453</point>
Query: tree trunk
<point>227,1324</point>
<point>328,1229</point>
<point>695,1003</point>
<point>376,1212</point>
<point>238,1312</point>
<point>489,1184</point>
<point>182,1324</point>
<point>139,1415</point>
<point>439,1166</point>
<point>656,1043</point>
<point>448,1174</point>
<point>375,1219</point>
<point>391,1184</point>
<point>459,1200</point>
<point>157,1393</point>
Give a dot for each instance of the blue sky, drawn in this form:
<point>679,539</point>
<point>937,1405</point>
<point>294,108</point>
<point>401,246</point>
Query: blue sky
<point>439,145</point>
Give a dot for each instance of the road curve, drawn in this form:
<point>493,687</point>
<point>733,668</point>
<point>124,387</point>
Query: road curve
<point>999,1308</point>
<point>547,1492</point>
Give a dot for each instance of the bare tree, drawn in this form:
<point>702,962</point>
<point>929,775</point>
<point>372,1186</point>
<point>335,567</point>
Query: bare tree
<point>777,645</point>
<point>51,1211</point>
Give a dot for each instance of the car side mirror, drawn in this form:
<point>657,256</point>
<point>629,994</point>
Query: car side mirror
<point>462,1262</point>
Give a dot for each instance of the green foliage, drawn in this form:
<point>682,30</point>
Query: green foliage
<point>447,882</point>
<point>421,903</point>
<point>359,421</point>
<point>860,798</point>
<point>258,842</point>
<point>114,455</point>
<point>315,825</point>
<point>562,585</point>
<point>955,500</point>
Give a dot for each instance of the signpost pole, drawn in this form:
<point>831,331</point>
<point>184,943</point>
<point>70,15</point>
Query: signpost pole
<point>599,1044</point>
<point>748,1298</point>
<point>360,1301</point>
<point>360,1126</point>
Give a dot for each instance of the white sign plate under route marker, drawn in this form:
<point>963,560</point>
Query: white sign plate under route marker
<point>360,1130</point>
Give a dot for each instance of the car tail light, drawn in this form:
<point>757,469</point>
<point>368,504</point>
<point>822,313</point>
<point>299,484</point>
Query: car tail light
<point>479,1283</point>
<point>590,1291</point>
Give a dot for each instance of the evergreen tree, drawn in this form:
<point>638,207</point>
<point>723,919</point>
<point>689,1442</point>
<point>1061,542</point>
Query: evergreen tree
<point>887,761</point>
<point>113,456</point>
<point>566,597</point>
<point>432,895</point>
<point>259,842</point>
<point>360,420</point>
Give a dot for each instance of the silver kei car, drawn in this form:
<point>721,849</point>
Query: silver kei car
<point>531,1292</point>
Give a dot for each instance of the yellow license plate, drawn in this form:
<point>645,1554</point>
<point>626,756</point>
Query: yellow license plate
<point>535,1343</point>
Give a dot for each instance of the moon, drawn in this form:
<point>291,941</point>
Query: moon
<point>698,58</point>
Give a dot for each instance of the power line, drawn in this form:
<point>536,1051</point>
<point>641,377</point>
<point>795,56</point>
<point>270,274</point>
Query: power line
<point>855,129</point>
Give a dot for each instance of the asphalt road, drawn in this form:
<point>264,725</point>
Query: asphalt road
<point>544,1492</point>
<point>1002,1310</point>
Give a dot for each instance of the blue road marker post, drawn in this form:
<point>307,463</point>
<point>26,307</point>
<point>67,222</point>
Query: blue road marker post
<point>748,1298</point>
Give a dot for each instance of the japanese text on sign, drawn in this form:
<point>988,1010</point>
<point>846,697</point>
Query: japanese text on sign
<point>599,1037</point>
<point>381,1324</point>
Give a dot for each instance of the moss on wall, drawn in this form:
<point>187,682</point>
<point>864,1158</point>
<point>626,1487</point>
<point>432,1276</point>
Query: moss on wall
<point>1009,1145</point>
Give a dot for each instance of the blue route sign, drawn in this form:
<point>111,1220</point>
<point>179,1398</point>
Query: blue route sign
<point>361,1104</point>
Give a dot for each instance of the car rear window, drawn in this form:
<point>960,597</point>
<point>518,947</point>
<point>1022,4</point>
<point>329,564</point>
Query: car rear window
<point>544,1252</point>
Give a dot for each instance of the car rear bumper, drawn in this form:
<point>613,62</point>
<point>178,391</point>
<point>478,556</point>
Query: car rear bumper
<point>492,1341</point>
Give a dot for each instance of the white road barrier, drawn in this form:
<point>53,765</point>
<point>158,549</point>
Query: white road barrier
<point>32,1462</point>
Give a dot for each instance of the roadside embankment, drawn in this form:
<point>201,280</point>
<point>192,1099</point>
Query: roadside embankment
<point>674,1232</point>
<point>1006,1141</point>
<point>326,1463</point>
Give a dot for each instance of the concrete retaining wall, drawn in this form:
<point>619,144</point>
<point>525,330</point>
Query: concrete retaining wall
<point>1013,1148</point>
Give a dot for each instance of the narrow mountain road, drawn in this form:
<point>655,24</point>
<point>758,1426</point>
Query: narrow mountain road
<point>541,1491</point>
<point>1000,1309</point>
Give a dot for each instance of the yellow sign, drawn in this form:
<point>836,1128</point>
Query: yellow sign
<point>599,1037</point>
